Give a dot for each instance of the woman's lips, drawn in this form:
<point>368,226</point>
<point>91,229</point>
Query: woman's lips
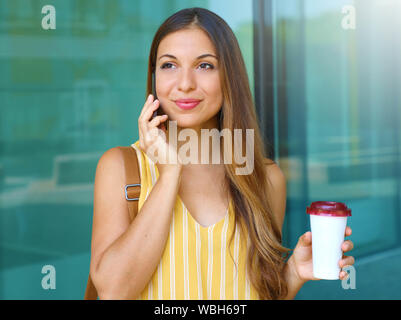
<point>187,104</point>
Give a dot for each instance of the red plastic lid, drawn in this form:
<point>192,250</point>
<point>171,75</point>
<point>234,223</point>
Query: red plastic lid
<point>329,208</point>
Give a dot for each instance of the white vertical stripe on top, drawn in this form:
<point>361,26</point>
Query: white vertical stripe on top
<point>150,291</point>
<point>185,251</point>
<point>247,285</point>
<point>152,171</point>
<point>172,260</point>
<point>160,280</point>
<point>198,262</point>
<point>236,253</point>
<point>223,259</point>
<point>210,263</point>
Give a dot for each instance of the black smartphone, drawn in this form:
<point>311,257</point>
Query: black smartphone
<point>159,110</point>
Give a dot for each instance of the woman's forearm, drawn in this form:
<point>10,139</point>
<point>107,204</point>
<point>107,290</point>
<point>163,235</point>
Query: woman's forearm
<point>128,264</point>
<point>293,282</point>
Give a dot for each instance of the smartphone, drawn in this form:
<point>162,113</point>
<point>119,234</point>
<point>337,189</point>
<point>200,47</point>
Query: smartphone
<point>159,110</point>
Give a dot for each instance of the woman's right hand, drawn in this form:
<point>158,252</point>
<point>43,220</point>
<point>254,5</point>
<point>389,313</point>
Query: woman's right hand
<point>152,142</point>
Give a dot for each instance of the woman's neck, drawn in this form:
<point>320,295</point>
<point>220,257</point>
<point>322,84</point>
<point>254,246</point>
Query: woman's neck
<point>206,145</point>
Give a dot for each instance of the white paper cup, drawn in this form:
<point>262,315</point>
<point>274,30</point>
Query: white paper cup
<point>328,221</point>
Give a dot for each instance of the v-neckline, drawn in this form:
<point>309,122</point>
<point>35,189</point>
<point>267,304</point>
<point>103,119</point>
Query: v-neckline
<point>197,223</point>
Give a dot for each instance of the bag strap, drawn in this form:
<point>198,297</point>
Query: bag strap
<point>132,179</point>
<point>132,192</point>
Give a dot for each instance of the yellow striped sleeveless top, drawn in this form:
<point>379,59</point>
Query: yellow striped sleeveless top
<point>196,261</point>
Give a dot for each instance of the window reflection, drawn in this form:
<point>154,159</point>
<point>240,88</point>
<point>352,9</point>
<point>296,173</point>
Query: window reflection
<point>67,95</point>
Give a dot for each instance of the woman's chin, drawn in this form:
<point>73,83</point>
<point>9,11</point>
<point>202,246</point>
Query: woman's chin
<point>185,123</point>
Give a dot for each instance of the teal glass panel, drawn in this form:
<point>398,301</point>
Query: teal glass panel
<point>66,96</point>
<point>341,138</point>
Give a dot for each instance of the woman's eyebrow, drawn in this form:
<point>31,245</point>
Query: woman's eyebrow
<point>200,57</point>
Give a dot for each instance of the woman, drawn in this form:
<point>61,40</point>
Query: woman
<point>202,231</point>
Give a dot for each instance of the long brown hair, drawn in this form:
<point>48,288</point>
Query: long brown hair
<point>249,193</point>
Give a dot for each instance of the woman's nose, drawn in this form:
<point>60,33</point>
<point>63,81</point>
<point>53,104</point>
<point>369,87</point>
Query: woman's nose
<point>186,80</point>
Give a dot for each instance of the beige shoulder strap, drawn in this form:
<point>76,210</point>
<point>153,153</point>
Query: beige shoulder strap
<point>132,190</point>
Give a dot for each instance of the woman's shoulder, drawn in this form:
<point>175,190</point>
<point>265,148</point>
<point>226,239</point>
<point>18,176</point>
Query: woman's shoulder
<point>112,158</point>
<point>277,192</point>
<point>110,173</point>
<point>274,173</point>
<point>111,166</point>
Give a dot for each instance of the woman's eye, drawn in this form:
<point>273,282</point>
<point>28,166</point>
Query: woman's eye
<point>166,65</point>
<point>210,66</point>
<point>204,65</point>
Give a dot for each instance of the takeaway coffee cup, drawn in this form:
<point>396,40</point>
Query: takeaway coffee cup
<point>328,220</point>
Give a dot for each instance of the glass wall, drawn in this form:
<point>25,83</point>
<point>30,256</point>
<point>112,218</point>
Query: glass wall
<point>70,93</point>
<point>66,96</point>
<point>337,76</point>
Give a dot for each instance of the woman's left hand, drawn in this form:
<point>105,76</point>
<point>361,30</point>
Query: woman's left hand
<point>302,257</point>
